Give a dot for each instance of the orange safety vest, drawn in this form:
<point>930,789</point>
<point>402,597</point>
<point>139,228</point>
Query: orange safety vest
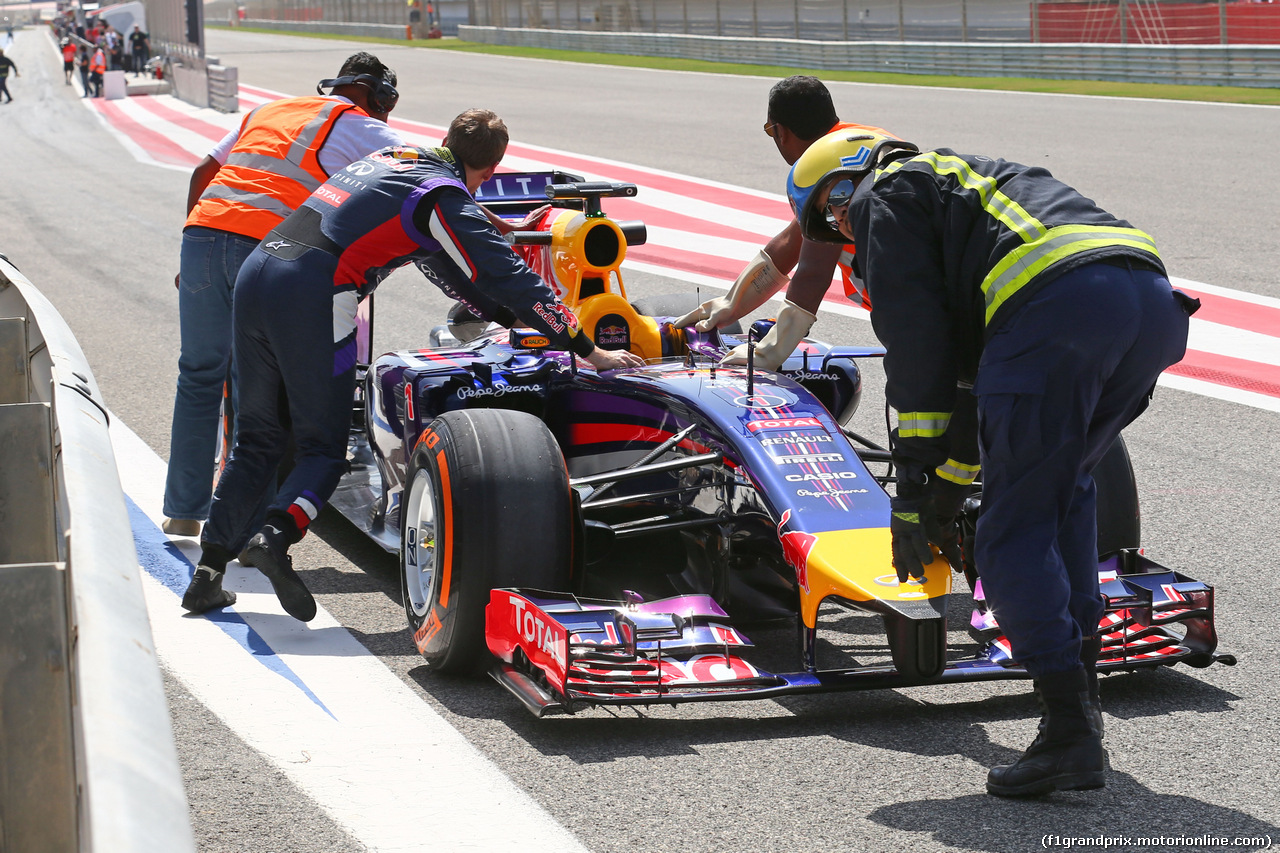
<point>98,64</point>
<point>272,168</point>
<point>854,289</point>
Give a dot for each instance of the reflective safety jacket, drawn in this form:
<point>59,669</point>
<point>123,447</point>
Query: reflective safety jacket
<point>950,246</point>
<point>272,168</point>
<point>98,64</point>
<point>405,205</point>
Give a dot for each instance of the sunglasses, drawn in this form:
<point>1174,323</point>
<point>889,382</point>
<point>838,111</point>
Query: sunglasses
<point>840,196</point>
<point>768,128</point>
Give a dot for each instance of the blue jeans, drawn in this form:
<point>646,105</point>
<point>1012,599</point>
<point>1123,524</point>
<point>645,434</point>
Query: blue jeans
<point>209,265</point>
<point>1056,384</point>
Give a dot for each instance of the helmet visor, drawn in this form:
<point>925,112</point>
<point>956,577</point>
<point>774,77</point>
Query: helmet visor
<point>839,197</point>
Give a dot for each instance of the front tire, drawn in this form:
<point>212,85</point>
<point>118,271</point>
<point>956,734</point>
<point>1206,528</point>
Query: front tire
<point>487,505</point>
<point>1119,516</point>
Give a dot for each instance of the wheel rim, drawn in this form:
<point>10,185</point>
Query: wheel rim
<point>418,551</point>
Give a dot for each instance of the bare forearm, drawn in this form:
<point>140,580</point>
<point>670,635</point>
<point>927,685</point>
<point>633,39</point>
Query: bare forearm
<point>201,176</point>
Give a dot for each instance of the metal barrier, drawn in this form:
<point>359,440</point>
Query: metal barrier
<point>87,759</point>
<point>391,31</point>
<point>1205,65</point>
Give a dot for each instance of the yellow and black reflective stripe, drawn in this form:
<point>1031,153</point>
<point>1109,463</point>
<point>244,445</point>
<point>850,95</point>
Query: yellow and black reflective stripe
<point>1004,209</point>
<point>922,424</point>
<point>1030,259</point>
<point>958,472</point>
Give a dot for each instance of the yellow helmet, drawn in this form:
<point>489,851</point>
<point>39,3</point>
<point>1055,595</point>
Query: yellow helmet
<point>840,155</point>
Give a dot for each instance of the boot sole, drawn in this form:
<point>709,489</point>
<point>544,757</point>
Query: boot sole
<point>1087,781</point>
<point>225,598</point>
<point>294,597</point>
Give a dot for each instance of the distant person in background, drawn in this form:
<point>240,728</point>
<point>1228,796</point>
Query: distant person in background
<point>68,59</point>
<point>83,62</point>
<point>5,64</point>
<point>111,41</point>
<point>139,49</point>
<point>97,68</point>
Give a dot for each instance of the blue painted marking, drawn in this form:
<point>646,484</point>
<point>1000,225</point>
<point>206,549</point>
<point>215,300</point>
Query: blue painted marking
<point>161,559</point>
<point>856,159</point>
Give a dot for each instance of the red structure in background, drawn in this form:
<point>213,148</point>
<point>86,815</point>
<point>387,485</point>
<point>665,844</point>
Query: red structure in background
<point>1157,23</point>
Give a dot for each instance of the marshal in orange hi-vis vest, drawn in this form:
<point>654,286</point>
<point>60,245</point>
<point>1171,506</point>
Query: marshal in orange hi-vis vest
<point>271,169</point>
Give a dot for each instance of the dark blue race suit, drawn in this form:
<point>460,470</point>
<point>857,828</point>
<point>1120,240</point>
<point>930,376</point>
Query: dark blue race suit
<point>988,272</point>
<point>294,317</point>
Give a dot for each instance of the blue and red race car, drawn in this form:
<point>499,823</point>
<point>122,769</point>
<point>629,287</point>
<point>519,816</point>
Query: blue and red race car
<point>599,539</point>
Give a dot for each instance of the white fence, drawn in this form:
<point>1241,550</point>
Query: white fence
<point>1210,65</point>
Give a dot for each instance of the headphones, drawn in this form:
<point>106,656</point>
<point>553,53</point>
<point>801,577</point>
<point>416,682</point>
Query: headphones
<point>382,95</point>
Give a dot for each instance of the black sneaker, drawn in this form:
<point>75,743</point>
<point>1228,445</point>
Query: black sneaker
<point>268,550</point>
<point>205,591</point>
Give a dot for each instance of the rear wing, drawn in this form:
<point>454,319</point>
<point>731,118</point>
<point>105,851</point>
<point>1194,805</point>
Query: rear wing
<point>513,195</point>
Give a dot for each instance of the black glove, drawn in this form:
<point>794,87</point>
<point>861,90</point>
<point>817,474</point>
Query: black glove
<point>910,523</point>
<point>948,500</point>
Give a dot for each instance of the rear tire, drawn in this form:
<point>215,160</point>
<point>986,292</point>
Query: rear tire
<point>487,506</point>
<point>677,305</point>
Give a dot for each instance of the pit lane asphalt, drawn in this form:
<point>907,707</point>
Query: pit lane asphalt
<point>1193,750</point>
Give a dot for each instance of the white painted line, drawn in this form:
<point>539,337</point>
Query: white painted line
<point>320,707</point>
<point>1219,339</point>
<point>1219,392</point>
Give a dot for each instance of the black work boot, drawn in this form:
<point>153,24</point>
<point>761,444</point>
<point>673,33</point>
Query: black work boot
<point>1067,754</point>
<point>269,552</point>
<point>1090,650</point>
<point>205,591</point>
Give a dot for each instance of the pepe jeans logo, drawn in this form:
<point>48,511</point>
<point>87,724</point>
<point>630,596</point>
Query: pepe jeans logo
<point>498,391</point>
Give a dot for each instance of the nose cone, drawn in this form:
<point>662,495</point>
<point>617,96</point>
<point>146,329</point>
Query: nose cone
<point>857,565</point>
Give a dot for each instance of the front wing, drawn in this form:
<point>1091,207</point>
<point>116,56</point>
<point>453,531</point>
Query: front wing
<point>559,653</point>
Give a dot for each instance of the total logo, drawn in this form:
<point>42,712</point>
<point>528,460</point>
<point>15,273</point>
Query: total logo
<point>821,476</point>
<point>535,630</point>
<point>784,423</point>
<point>331,195</point>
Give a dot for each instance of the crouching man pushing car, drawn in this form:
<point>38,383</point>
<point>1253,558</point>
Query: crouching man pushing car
<point>1060,315</point>
<point>295,334</point>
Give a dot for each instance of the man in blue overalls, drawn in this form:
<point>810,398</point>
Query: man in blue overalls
<point>295,331</point>
<point>1059,314</point>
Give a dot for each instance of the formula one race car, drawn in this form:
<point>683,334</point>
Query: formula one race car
<point>599,539</point>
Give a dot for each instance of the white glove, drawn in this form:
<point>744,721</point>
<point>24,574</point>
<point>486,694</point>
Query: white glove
<point>754,285</point>
<point>775,347</point>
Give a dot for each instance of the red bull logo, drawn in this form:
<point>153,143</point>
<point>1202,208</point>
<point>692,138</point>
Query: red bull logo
<point>796,545</point>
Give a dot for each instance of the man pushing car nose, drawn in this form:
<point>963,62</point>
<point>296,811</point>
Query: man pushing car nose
<point>295,332</point>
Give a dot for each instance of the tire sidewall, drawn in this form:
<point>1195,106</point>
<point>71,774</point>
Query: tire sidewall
<point>503,518</point>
